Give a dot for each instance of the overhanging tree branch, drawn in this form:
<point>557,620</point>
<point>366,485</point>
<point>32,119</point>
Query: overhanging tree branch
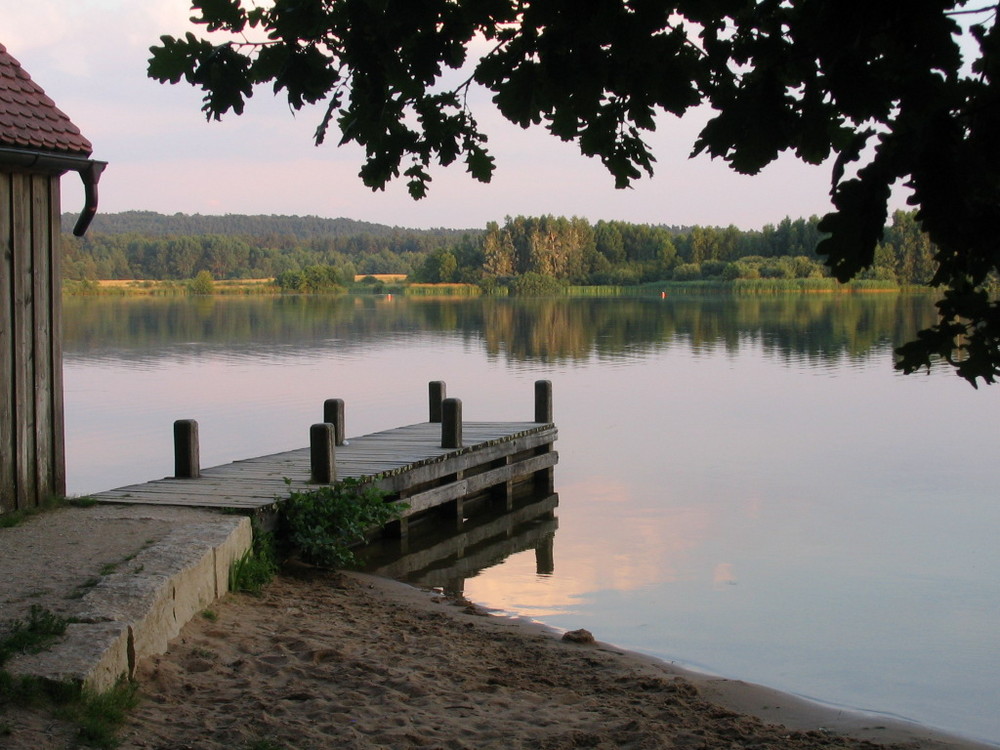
<point>817,78</point>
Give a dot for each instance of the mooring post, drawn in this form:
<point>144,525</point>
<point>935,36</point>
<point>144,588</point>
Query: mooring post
<point>543,401</point>
<point>333,413</point>
<point>322,456</point>
<point>544,480</point>
<point>451,423</point>
<point>436,390</point>
<point>187,460</point>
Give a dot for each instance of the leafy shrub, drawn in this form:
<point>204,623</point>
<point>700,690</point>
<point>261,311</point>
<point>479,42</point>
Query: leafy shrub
<point>777,268</point>
<point>324,523</point>
<point>315,278</point>
<point>712,269</point>
<point>625,275</point>
<point>291,280</point>
<point>203,283</point>
<point>687,272</point>
<point>494,287</point>
<point>806,268</point>
<point>533,284</point>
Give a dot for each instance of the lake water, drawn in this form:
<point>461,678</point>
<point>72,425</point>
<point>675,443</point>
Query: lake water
<point>745,485</point>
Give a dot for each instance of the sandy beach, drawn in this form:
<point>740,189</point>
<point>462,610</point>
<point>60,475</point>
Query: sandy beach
<point>333,660</point>
<point>347,660</point>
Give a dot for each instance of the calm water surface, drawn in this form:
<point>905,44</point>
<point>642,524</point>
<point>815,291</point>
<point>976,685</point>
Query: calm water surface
<point>745,486</point>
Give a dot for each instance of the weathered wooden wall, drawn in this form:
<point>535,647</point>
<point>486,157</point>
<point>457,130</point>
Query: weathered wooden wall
<point>32,460</point>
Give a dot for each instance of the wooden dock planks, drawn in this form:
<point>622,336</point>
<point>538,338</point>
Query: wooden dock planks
<point>407,461</point>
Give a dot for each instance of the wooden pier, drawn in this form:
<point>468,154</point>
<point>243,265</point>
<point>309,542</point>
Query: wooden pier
<point>434,466</point>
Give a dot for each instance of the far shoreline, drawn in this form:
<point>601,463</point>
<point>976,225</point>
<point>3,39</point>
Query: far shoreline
<point>397,285</point>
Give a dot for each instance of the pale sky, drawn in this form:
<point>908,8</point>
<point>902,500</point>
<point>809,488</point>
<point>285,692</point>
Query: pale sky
<point>90,57</point>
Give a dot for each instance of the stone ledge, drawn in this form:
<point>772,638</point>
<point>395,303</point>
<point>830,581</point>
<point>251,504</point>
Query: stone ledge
<point>134,613</point>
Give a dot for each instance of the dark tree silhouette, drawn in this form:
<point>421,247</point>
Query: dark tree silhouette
<point>881,86</point>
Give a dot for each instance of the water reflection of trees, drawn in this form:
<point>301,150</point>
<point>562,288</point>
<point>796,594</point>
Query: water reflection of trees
<point>812,327</point>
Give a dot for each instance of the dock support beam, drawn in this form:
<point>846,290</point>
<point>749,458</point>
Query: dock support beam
<point>333,413</point>
<point>322,457</point>
<point>436,391</point>
<point>187,454</point>
<point>543,401</point>
<point>451,423</point>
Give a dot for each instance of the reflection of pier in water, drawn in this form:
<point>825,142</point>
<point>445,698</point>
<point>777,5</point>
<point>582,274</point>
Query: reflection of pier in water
<point>433,558</point>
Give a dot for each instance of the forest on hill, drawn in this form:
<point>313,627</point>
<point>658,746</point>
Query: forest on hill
<point>306,253</point>
<point>152,224</point>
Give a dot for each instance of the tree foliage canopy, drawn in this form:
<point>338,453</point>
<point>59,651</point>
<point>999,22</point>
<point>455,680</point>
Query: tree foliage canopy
<point>890,92</point>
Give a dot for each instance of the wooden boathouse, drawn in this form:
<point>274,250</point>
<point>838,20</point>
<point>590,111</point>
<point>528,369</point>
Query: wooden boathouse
<point>434,466</point>
<point>38,144</point>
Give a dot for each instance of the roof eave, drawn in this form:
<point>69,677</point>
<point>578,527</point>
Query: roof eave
<point>89,169</point>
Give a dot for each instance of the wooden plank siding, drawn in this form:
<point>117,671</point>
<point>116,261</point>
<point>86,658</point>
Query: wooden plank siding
<point>57,465</point>
<point>31,411</point>
<point>7,483</point>
<point>41,339</point>
<point>24,351</point>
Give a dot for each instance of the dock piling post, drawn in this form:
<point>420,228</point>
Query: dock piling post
<point>543,401</point>
<point>333,413</point>
<point>187,459</point>
<point>322,456</point>
<point>544,480</point>
<point>436,390</point>
<point>451,423</point>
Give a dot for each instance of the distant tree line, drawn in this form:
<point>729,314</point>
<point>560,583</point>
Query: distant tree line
<point>152,254</point>
<point>150,223</point>
<point>526,253</point>
<point>530,250</point>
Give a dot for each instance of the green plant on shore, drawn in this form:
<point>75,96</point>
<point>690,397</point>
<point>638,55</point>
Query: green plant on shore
<point>12,519</point>
<point>324,523</point>
<point>97,715</point>
<point>17,517</point>
<point>253,570</point>
<point>29,690</point>
<point>41,628</point>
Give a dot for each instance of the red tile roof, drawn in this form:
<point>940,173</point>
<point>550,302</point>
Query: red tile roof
<point>29,119</point>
